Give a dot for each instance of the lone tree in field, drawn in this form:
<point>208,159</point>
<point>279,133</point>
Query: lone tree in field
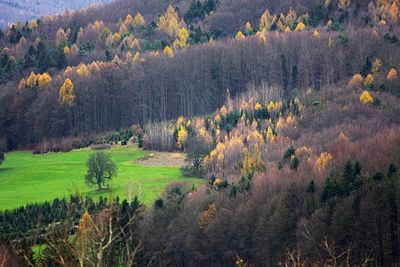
<point>100,170</point>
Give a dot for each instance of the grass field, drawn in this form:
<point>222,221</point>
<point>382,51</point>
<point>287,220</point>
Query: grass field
<point>27,178</point>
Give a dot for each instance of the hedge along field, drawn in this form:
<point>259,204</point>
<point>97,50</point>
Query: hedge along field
<point>27,178</point>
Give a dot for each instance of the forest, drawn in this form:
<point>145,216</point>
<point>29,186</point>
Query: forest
<point>289,111</point>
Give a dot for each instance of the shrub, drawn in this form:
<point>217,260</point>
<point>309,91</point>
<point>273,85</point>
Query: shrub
<point>100,146</point>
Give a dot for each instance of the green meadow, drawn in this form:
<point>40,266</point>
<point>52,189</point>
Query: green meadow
<point>27,178</point>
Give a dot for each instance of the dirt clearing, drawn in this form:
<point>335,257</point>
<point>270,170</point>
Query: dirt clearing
<point>156,158</point>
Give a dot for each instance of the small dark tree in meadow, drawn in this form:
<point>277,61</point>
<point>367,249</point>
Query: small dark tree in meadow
<point>100,170</point>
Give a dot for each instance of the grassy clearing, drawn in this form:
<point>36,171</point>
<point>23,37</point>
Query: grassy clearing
<point>27,178</point>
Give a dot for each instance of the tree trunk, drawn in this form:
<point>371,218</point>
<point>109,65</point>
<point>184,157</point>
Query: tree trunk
<point>99,185</point>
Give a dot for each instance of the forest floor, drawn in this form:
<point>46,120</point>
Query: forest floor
<point>27,178</point>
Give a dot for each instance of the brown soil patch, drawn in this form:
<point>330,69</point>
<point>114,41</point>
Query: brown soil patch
<point>164,159</point>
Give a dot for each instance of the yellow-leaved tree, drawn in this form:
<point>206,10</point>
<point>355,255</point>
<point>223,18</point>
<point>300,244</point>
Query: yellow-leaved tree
<point>128,20</point>
<point>82,70</point>
<point>300,27</point>
<point>369,81</point>
<point>169,22</point>
<point>343,4</point>
<point>392,74</point>
<point>116,38</point>
<point>61,37</point>
<point>266,21</point>
<point>377,66</point>
<point>290,18</point>
<point>123,29</point>
<point>168,52</point>
<point>252,163</point>
<point>33,24</point>
<point>135,44</point>
<point>270,135</point>
<point>181,40</point>
<point>44,80</point>
<point>84,230</point>
<point>207,216</point>
<point>68,71</point>
<point>355,81</point>
<point>128,56</point>
<point>248,28</point>
<point>182,136</point>
<point>32,79</point>
<point>262,37</point>
<point>66,50</point>
<point>239,36</point>
<point>366,97</point>
<point>66,94</point>
<point>137,57</point>
<point>138,20</point>
<point>323,161</point>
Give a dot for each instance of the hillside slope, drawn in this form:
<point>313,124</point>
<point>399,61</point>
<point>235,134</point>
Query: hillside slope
<point>158,61</point>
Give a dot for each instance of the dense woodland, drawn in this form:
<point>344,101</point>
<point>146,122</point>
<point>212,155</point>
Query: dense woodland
<point>111,64</point>
<point>289,110</point>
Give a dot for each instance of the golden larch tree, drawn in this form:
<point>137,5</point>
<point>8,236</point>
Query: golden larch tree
<point>323,160</point>
<point>33,24</point>
<point>248,28</point>
<point>239,36</point>
<point>128,20</point>
<point>392,74</point>
<point>182,136</point>
<point>355,81</point>
<point>366,98</point>
<point>300,27</point>
<point>138,20</point>
<point>137,57</point>
<point>266,21</point>
<point>262,37</point>
<point>168,52</point>
<point>123,29</point>
<point>61,37</point>
<point>44,80</point>
<point>169,22</point>
<point>369,81</point>
<point>208,216</point>
<point>290,18</point>
<point>32,79</point>
<point>377,66</point>
<point>82,70</point>
<point>66,94</point>
<point>343,4</point>
<point>66,50</point>
<point>181,40</point>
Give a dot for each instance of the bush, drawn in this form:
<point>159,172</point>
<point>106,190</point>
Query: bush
<point>100,146</point>
<point>63,144</point>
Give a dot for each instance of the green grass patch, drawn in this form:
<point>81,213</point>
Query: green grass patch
<point>27,178</point>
